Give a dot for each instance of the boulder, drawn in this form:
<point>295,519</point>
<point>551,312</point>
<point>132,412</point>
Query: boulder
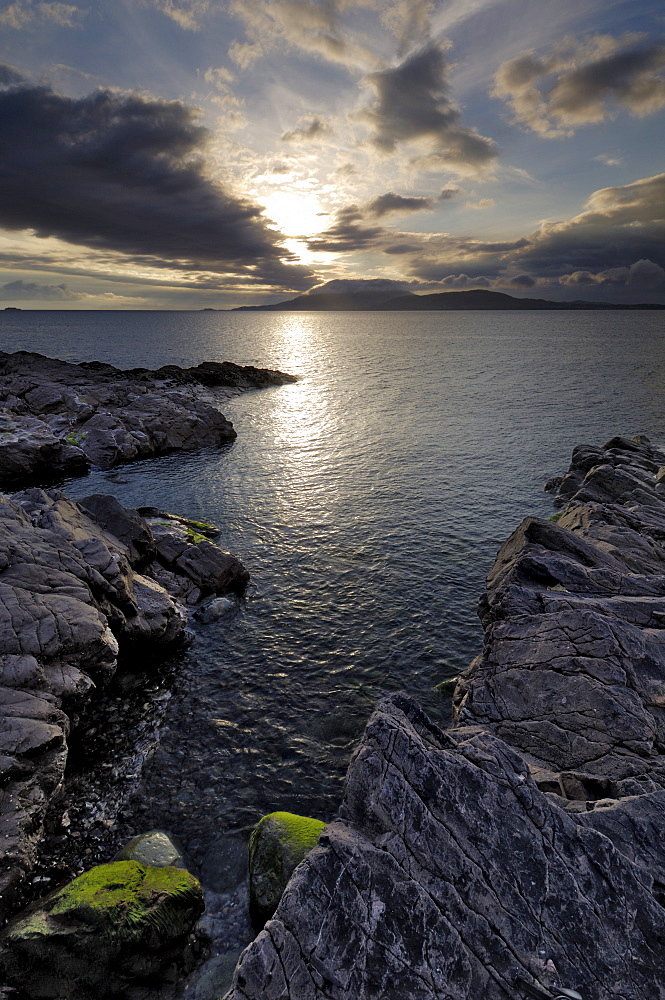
<point>156,849</point>
<point>115,925</point>
<point>278,844</point>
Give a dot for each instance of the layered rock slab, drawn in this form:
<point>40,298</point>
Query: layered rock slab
<point>527,843</point>
<point>450,875</point>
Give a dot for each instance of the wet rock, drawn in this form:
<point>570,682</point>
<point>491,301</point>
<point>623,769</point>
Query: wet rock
<point>450,874</point>
<point>278,844</point>
<point>58,419</point>
<point>203,567</point>
<point>126,525</point>
<point>156,849</point>
<point>114,926</point>
<point>71,603</point>
<point>527,843</point>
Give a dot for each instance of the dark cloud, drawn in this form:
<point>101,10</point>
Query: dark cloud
<point>413,105</point>
<point>385,204</point>
<point>619,226</point>
<point>522,281</point>
<point>125,173</point>
<point>578,82</point>
<point>10,76</point>
<point>23,290</point>
<point>309,131</point>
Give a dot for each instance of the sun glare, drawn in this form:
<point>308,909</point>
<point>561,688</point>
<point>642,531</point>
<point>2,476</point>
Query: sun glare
<point>295,214</point>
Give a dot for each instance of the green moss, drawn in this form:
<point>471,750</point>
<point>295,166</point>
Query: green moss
<point>121,896</point>
<point>448,686</point>
<point>203,526</point>
<point>76,438</point>
<point>556,517</point>
<point>278,844</point>
<point>195,537</point>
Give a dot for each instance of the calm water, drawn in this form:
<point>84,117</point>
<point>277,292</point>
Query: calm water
<point>368,501</point>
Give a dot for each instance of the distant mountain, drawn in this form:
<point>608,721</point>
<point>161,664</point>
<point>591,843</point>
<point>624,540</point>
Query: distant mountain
<point>376,294</point>
<point>341,294</point>
<point>482,298</point>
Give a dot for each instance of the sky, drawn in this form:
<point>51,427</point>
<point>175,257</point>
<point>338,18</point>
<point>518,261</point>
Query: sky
<point>189,154</point>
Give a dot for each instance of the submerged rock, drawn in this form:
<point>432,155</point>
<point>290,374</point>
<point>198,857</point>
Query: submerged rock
<point>278,844</point>
<point>157,849</point>
<point>115,925</point>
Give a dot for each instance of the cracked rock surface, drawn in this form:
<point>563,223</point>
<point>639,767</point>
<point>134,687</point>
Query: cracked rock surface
<point>527,842</point>
<point>75,595</point>
<point>58,418</point>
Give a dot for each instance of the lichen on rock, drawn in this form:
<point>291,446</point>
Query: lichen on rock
<point>278,844</point>
<point>116,924</point>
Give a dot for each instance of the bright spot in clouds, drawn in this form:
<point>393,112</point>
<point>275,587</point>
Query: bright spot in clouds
<point>294,214</point>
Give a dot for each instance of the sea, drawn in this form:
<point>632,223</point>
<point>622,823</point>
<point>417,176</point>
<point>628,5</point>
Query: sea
<point>368,501</point>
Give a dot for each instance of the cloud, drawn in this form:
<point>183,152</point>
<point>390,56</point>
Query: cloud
<point>385,204</point>
<point>481,204</point>
<point>22,13</point>
<point>642,274</point>
<point>126,173</point>
<point>618,226</point>
<point>353,230</point>
<point>313,27</point>
<point>578,82</point>
<point>186,13</point>
<point>23,290</point>
<point>413,106</point>
<point>308,131</point>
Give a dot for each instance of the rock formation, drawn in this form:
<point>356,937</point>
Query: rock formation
<point>57,419</point>
<point>113,927</point>
<point>526,845</point>
<point>80,585</point>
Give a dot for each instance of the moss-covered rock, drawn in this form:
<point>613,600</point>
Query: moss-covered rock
<point>117,923</point>
<point>278,844</point>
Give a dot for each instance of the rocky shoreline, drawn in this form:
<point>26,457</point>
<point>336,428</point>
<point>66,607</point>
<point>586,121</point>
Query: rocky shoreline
<point>520,853</point>
<point>58,419</point>
<point>89,587</point>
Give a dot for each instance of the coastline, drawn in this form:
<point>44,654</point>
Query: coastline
<point>631,482</point>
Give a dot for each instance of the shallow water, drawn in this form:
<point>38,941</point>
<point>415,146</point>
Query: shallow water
<point>368,501</point>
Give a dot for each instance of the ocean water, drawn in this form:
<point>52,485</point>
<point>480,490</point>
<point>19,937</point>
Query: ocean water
<point>368,501</point>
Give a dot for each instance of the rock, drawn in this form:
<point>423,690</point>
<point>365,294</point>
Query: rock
<point>72,603</point>
<point>278,844</point>
<point>156,849</point>
<point>448,873</point>
<point>526,845</point>
<point>203,568</point>
<point>126,525</point>
<point>113,926</point>
<point>57,419</point>
<point>199,527</point>
<point>213,610</point>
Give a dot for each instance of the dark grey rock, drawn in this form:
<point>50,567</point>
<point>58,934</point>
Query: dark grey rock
<point>528,842</point>
<point>71,602</point>
<point>449,874</point>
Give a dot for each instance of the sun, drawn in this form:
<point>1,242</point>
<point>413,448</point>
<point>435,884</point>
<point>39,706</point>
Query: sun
<point>294,214</point>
